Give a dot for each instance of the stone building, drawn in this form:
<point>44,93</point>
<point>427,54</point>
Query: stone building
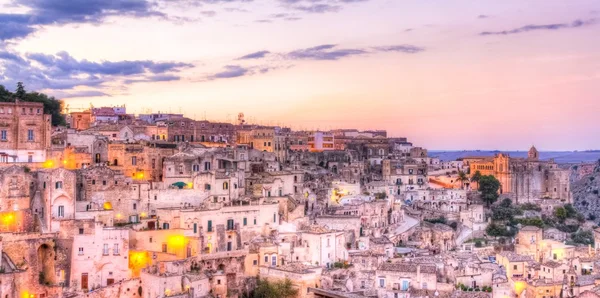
<point>25,132</point>
<point>526,179</point>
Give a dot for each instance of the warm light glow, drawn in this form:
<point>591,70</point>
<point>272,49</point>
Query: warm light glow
<point>143,214</point>
<point>520,286</point>
<point>48,164</point>
<point>138,260</point>
<point>177,241</point>
<point>118,215</point>
<point>190,185</point>
<point>107,206</point>
<point>138,176</point>
<point>8,220</point>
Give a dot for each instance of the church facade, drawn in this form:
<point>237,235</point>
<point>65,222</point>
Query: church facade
<point>525,179</point>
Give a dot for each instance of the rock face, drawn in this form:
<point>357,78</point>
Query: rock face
<point>586,190</point>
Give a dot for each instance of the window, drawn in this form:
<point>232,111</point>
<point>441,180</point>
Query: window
<point>116,249</point>
<point>30,135</point>
<point>3,135</point>
<point>255,221</point>
<point>80,251</point>
<point>195,228</point>
<point>61,211</point>
<point>273,260</point>
<point>266,259</point>
<point>254,262</point>
<point>207,166</point>
<point>230,224</point>
<point>515,267</point>
<point>80,231</point>
<point>58,184</point>
<point>404,285</point>
<point>245,221</point>
<point>196,168</point>
<point>382,283</point>
<point>164,247</point>
<point>105,250</point>
<point>274,217</point>
<point>225,185</point>
<point>134,206</point>
<point>209,226</point>
<point>134,160</point>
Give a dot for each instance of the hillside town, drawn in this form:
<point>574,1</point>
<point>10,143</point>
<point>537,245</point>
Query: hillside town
<point>156,205</point>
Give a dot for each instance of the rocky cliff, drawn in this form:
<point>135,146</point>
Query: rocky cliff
<point>585,186</point>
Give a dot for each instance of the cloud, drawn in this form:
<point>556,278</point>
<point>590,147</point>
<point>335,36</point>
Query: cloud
<point>255,55</point>
<point>63,72</point>
<point>87,93</point>
<point>409,49</point>
<point>236,71</point>
<point>552,27</point>
<point>156,78</point>
<point>317,6</point>
<point>208,13</point>
<point>332,52</point>
<point>482,16</point>
<point>323,52</point>
<point>60,12</point>
<point>229,71</point>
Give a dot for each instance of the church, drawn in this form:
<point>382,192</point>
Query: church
<point>525,179</point>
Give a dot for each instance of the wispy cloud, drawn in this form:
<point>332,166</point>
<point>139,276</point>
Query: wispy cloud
<point>317,6</point>
<point>551,27</point>
<point>255,55</point>
<point>333,52</point>
<point>323,52</point>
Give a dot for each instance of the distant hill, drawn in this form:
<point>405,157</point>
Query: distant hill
<point>559,156</point>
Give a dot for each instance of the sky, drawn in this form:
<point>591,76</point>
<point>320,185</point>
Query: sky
<point>447,75</point>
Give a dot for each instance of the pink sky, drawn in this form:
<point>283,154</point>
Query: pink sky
<point>420,69</point>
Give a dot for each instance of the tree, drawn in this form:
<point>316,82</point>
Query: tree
<point>275,289</point>
<point>488,187</point>
<point>476,177</point>
<point>52,106</point>
<point>571,212</point>
<point>560,213</point>
<point>20,93</point>
<point>462,177</point>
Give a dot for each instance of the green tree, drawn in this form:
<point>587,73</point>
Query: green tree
<point>560,213</point>
<point>462,177</point>
<point>275,289</point>
<point>52,106</point>
<point>20,93</point>
<point>476,177</point>
<point>571,212</point>
<point>488,187</point>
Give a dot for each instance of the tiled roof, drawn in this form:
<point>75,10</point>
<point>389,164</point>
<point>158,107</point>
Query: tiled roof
<point>408,267</point>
